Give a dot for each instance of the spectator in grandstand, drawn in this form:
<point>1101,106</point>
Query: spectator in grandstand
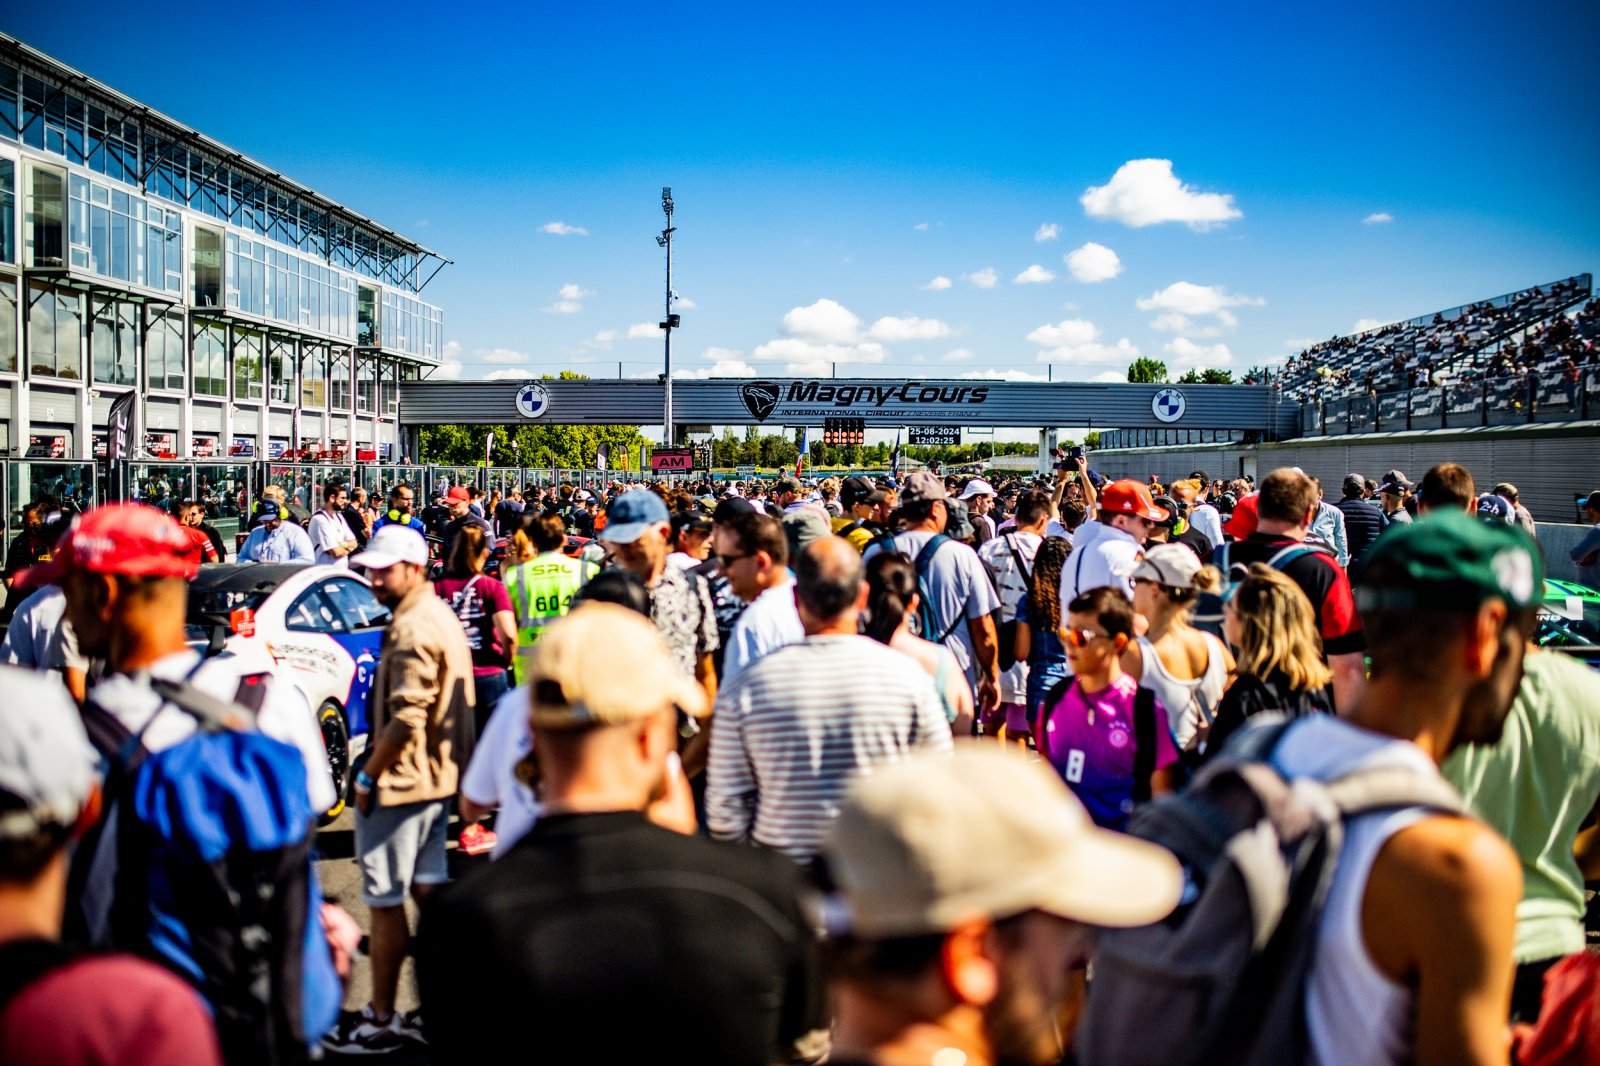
<point>891,604</point>
<point>1287,504</point>
<point>1280,668</point>
<point>706,944</point>
<point>1447,487</point>
<point>964,600</point>
<point>796,726</point>
<point>962,944</point>
<point>1186,668</point>
<point>1586,553</point>
<point>1328,526</point>
<point>1508,492</point>
<point>61,1005</point>
<point>1362,521</point>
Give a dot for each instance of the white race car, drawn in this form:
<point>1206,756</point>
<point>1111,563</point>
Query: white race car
<point>317,626</point>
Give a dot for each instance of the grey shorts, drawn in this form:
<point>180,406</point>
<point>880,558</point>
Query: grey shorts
<point>398,847</point>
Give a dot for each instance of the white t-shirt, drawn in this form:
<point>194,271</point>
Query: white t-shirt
<point>683,561</point>
<point>491,777</point>
<point>328,532</point>
<point>285,714</point>
<point>39,637</point>
<point>1101,555</point>
<point>1011,579</point>
<point>769,623</point>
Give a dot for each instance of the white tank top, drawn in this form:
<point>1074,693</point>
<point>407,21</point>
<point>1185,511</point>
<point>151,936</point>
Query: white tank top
<point>1355,1014</point>
<point>1191,705</point>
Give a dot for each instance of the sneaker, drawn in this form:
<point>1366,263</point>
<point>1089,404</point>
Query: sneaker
<point>363,1035</point>
<point>409,1024</point>
<point>475,840</point>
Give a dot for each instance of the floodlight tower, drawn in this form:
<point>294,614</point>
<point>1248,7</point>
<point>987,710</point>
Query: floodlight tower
<point>671,320</point>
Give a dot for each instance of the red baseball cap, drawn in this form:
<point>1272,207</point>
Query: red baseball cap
<point>120,538</point>
<point>1127,496</point>
<point>459,492</point>
<point>1245,518</point>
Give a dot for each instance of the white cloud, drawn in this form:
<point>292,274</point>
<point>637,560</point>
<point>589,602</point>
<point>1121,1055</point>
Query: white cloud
<point>983,279</point>
<point>1145,192</point>
<point>921,227</point>
<point>573,291</point>
<point>1002,375</point>
<point>1093,353</point>
<point>1299,344</point>
<point>601,342</point>
<point>799,352</point>
<point>1047,232</point>
<point>643,330</point>
<point>512,374</point>
<point>1182,302</point>
<point>938,283</point>
<point>1034,275</point>
<point>499,355</point>
<point>890,329</point>
<point>724,367</point>
<point>1184,353</point>
<point>561,229</point>
<point>449,368</point>
<point>824,321</point>
<point>1106,377</point>
<point>1377,218</point>
<point>1093,263</point>
<point>563,307</point>
<point>1069,331</point>
<point>1366,325</point>
<point>683,303</point>
<point>956,355</point>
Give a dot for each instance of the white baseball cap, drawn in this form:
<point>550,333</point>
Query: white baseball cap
<point>977,487</point>
<point>390,545</point>
<point>46,760</point>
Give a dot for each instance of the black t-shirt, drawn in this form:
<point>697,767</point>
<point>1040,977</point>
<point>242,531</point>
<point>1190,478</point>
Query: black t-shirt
<point>610,939</point>
<point>1194,540</point>
<point>1321,578</point>
<point>1249,696</point>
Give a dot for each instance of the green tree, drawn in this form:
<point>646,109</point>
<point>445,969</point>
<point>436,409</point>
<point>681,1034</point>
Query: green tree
<point>819,453</point>
<point>1091,439</point>
<point>1206,377</point>
<point>1146,371</point>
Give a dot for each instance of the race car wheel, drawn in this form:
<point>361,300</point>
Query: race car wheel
<point>336,741</point>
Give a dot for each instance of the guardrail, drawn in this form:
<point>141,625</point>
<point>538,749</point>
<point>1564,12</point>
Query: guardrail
<point>1503,401</point>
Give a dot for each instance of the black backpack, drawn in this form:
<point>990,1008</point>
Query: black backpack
<point>925,623</point>
<point>1222,978</point>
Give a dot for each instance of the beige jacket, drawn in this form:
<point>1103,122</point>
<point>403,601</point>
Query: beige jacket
<point>422,698</point>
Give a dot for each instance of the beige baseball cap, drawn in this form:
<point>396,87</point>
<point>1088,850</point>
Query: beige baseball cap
<point>924,845</point>
<point>606,665</point>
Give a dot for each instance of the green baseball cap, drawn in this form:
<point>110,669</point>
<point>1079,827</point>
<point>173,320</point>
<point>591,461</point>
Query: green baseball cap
<point>1452,562</point>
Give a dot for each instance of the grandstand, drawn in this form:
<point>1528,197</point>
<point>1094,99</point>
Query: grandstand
<point>1468,343</point>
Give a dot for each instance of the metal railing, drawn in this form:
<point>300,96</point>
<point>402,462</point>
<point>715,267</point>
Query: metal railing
<point>1504,401</point>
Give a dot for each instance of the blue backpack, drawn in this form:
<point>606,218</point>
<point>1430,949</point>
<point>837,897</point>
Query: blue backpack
<point>926,623</point>
<point>203,862</point>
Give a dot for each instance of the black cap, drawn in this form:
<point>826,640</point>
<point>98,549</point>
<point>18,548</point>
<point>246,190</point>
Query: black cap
<point>730,508</point>
<point>857,489</point>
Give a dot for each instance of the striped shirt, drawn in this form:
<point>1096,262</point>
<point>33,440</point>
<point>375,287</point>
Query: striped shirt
<point>797,725</point>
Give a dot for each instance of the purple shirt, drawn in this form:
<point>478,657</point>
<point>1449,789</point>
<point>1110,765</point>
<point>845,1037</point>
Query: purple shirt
<point>476,601</point>
<point>1089,739</point>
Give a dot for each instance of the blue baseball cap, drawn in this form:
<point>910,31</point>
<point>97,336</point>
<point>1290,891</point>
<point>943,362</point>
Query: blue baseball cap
<point>631,514</point>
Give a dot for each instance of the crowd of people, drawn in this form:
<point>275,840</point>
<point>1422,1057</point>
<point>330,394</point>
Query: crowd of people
<point>908,769</point>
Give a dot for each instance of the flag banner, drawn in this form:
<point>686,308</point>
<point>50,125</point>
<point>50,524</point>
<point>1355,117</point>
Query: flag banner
<point>119,427</point>
<point>602,457</point>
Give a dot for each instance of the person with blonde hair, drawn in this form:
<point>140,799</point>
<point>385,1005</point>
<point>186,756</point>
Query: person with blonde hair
<point>1187,669</point>
<point>1280,666</point>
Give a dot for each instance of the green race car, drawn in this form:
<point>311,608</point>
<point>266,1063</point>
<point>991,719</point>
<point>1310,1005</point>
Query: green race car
<point>1570,620</point>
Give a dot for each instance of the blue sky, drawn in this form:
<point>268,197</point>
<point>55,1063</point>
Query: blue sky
<point>1266,174</point>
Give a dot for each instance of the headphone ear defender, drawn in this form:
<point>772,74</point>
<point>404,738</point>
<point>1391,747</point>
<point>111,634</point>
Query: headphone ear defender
<point>394,515</point>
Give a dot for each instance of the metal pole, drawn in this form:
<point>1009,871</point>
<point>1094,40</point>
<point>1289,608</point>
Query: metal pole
<point>665,241</point>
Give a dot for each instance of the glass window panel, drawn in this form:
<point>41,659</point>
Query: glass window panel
<point>247,365</point>
<point>8,212</point>
<point>8,323</point>
<point>46,217</point>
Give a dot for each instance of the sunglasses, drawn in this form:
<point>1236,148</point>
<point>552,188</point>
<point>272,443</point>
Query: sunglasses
<point>726,561</point>
<point>1082,638</point>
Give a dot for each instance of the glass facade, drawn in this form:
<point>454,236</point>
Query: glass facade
<point>172,265</point>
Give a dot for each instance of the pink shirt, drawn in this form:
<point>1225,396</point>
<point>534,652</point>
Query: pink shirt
<point>1089,739</point>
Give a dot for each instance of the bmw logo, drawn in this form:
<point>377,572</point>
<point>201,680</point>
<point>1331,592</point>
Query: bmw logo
<point>1168,405</point>
<point>532,400</point>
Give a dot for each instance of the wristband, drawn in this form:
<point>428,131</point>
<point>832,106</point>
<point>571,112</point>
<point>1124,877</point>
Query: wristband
<point>364,782</point>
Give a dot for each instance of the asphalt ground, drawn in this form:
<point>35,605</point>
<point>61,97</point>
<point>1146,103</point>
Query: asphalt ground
<point>341,884</point>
